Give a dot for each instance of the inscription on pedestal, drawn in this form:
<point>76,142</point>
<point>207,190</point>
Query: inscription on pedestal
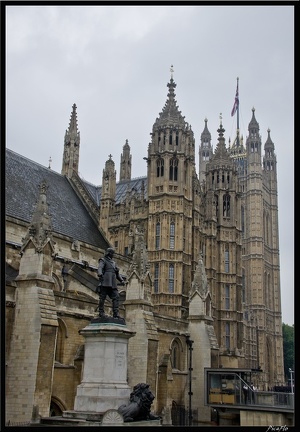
<point>119,359</point>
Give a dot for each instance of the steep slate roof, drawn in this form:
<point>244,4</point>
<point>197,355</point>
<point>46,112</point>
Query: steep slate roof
<point>68,215</point>
<point>121,189</point>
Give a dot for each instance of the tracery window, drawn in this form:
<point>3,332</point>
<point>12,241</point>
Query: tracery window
<point>227,297</point>
<point>160,167</point>
<point>226,205</point>
<point>156,277</point>
<point>157,236</point>
<point>176,359</point>
<point>227,335</point>
<point>226,259</point>
<point>171,278</point>
<point>172,235</point>
<point>173,173</point>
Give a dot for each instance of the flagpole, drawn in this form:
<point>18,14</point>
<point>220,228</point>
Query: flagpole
<point>238,107</point>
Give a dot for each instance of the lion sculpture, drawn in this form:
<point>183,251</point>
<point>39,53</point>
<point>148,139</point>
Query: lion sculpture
<point>139,404</point>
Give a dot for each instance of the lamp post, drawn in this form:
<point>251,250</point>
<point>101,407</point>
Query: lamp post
<point>190,345</point>
<point>292,384</point>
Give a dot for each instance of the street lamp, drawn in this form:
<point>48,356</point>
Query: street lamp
<point>292,385</point>
<point>190,393</point>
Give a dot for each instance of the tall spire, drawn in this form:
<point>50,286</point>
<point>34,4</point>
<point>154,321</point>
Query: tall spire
<point>71,146</point>
<point>221,151</point>
<point>170,114</point>
<point>73,131</point>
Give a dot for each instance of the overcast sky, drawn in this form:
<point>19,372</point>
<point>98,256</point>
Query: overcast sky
<point>114,63</point>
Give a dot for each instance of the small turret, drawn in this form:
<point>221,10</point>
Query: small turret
<point>38,246</point>
<point>125,164</point>
<point>205,151</point>
<point>269,159</point>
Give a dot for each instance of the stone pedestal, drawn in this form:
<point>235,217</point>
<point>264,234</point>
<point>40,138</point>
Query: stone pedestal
<point>104,383</point>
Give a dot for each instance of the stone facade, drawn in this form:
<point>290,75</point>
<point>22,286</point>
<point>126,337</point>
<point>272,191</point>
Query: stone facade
<point>200,255</point>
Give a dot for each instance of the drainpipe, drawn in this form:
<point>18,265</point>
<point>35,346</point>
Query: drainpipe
<point>190,345</point>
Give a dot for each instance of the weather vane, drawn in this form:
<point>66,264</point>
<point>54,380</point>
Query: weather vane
<point>171,70</point>
<point>220,118</point>
<point>50,160</point>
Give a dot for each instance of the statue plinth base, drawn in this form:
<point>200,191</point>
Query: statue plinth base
<point>104,382</point>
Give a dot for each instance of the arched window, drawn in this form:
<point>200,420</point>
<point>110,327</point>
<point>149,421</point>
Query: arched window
<point>226,205</point>
<point>226,259</point>
<point>227,335</point>
<point>157,236</point>
<point>243,221</point>
<point>160,167</point>
<point>172,235</point>
<point>176,355</point>
<point>173,173</point>
<point>171,278</point>
<point>156,277</point>
<point>227,297</point>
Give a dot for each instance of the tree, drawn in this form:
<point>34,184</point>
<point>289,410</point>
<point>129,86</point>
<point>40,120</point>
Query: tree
<point>288,349</point>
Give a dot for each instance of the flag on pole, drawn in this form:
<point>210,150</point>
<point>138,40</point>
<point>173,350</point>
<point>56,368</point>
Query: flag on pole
<point>236,100</point>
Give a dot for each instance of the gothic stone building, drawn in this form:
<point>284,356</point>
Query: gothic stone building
<point>200,254</point>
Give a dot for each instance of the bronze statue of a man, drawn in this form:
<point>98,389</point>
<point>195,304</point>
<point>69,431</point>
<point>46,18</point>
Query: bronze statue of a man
<point>108,274</point>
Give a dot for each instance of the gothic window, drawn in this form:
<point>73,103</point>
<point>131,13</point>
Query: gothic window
<point>176,355</point>
<point>205,156</point>
<point>243,286</point>
<point>172,235</point>
<point>226,205</point>
<point>227,297</point>
<point>171,278</point>
<point>243,221</point>
<point>226,259</point>
<point>160,168</point>
<point>170,138</point>
<point>156,277</point>
<point>173,175</point>
<point>126,251</point>
<point>227,335</point>
<point>177,138</point>
<point>157,236</point>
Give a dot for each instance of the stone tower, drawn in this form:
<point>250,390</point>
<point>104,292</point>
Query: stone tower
<point>224,252</point>
<point>261,258</point>
<point>171,168</point>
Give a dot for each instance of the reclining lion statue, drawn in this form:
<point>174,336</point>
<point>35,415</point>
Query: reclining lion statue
<point>139,404</point>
